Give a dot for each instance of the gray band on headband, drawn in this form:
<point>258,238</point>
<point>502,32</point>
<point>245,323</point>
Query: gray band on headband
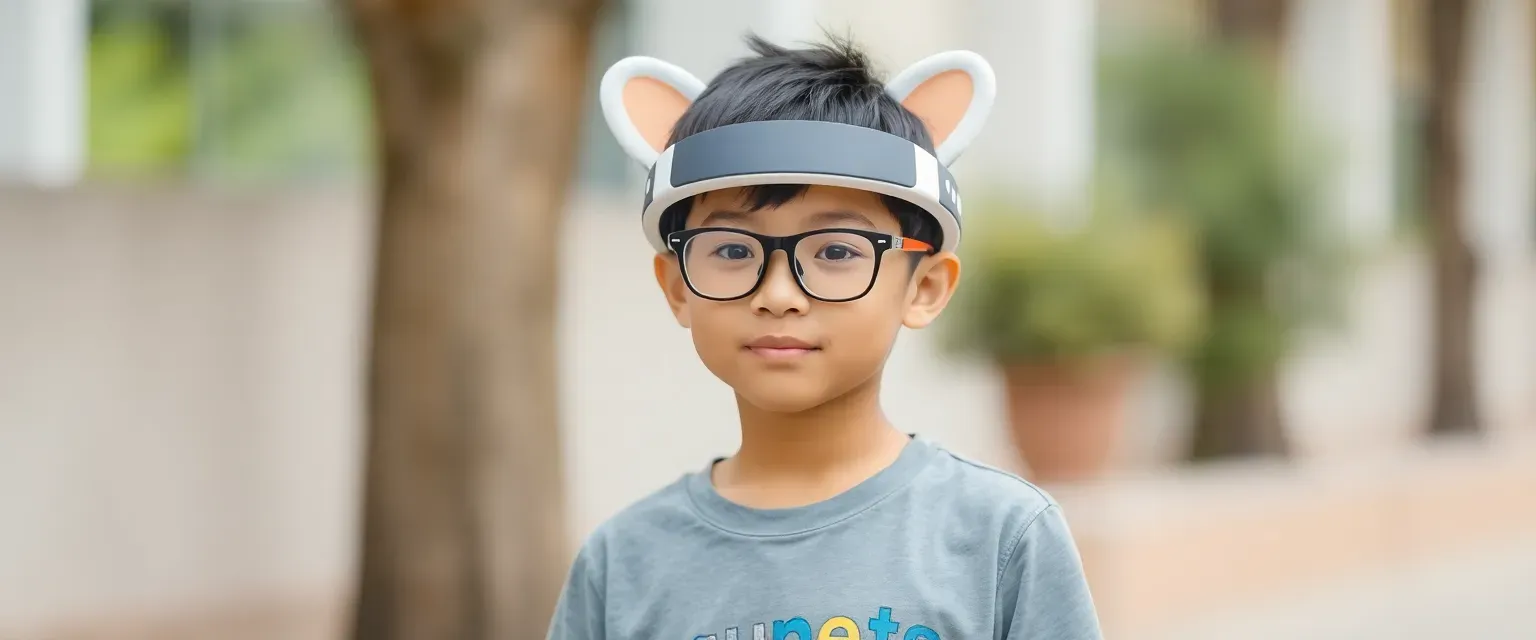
<point>798,147</point>
<point>793,146</point>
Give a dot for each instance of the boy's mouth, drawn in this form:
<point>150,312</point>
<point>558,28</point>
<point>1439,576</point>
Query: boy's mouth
<point>781,347</point>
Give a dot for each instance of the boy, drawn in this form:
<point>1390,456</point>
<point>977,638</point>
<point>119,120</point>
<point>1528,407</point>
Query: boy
<point>803,214</point>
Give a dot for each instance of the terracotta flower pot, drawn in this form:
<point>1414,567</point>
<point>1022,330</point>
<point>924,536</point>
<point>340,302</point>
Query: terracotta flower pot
<point>1066,418</point>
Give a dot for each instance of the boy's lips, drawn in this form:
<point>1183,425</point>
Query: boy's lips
<point>781,347</point>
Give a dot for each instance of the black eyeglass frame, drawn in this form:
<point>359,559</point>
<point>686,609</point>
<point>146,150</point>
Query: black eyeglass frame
<point>677,242</point>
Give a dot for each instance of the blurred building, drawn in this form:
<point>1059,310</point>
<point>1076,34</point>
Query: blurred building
<point>180,363</point>
<point>42,69</point>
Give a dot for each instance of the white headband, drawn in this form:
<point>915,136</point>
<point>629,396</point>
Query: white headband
<point>951,92</point>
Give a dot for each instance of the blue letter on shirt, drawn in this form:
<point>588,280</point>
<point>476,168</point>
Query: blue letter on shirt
<point>797,626</point>
<point>921,632</point>
<point>883,626</point>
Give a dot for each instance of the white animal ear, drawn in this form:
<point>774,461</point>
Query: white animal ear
<point>642,99</point>
<point>952,92</point>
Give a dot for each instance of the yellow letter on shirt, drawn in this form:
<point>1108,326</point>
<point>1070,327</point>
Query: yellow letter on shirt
<point>849,627</point>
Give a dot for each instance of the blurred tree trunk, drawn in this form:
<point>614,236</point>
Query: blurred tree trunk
<point>1238,420</point>
<point>1260,24</point>
<point>477,107</point>
<point>1454,404</point>
<point>1242,417</point>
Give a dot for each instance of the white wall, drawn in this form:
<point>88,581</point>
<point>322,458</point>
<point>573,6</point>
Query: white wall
<point>1500,196</point>
<point>1499,129</point>
<point>178,400</point>
<point>42,90</point>
<point>1341,70</point>
<point>702,37</point>
<point>1040,135</point>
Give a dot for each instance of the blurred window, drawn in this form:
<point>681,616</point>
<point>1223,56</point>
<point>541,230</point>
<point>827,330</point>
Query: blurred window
<point>603,164</point>
<point>256,91</point>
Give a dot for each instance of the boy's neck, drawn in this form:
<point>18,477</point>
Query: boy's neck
<point>789,460</point>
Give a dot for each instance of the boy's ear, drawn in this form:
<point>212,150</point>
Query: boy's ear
<point>670,279</point>
<point>642,99</point>
<point>933,286</point>
<point>952,92</point>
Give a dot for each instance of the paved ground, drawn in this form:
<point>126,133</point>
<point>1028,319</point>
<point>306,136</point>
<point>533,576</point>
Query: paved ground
<point>1486,595</point>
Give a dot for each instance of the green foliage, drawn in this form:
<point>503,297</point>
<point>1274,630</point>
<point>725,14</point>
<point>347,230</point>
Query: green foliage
<point>249,92</point>
<point>1198,131</point>
<point>139,104</point>
<point>1032,292</point>
<point>285,100</point>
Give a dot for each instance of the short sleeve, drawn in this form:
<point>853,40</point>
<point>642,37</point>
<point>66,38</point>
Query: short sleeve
<point>1042,592</point>
<point>580,613</point>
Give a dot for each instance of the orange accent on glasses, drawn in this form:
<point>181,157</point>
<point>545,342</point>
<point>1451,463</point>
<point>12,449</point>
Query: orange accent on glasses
<point>908,244</point>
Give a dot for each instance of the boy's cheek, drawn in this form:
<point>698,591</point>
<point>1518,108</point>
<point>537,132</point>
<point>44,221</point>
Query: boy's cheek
<point>715,333</point>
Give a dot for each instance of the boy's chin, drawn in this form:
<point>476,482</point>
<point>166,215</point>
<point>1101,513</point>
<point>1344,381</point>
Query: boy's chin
<point>785,399</point>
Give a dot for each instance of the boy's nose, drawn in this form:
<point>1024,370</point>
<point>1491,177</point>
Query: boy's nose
<point>780,294</point>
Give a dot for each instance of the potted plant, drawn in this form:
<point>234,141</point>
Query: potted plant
<point>1201,133</point>
<point>1072,317</point>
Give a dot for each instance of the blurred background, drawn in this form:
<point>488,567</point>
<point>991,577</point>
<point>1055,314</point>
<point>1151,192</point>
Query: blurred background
<point>1252,292</point>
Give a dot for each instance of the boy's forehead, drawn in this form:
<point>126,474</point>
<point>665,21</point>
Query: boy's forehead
<point>817,206</point>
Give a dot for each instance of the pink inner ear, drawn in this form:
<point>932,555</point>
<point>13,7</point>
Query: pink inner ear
<point>941,101</point>
<point>654,106</point>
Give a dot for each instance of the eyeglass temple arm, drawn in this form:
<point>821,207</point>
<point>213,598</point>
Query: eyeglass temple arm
<point>908,244</point>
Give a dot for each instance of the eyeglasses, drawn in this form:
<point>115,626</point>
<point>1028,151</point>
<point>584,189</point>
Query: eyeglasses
<point>830,265</point>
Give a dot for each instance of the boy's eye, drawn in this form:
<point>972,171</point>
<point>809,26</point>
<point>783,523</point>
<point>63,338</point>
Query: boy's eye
<point>838,252</point>
<point>733,252</point>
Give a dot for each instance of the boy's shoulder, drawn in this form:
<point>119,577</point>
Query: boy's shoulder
<point>649,521</point>
<point>981,492</point>
<point>663,508</point>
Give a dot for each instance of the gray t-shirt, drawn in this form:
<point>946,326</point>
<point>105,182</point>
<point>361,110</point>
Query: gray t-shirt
<point>934,547</point>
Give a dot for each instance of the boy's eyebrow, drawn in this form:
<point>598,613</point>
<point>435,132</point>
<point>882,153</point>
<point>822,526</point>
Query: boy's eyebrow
<point>838,216</point>
<point>725,215</point>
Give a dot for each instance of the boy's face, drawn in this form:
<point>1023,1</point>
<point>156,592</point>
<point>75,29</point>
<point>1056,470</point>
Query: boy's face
<point>779,348</point>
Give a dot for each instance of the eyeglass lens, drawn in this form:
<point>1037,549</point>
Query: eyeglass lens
<point>831,265</point>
